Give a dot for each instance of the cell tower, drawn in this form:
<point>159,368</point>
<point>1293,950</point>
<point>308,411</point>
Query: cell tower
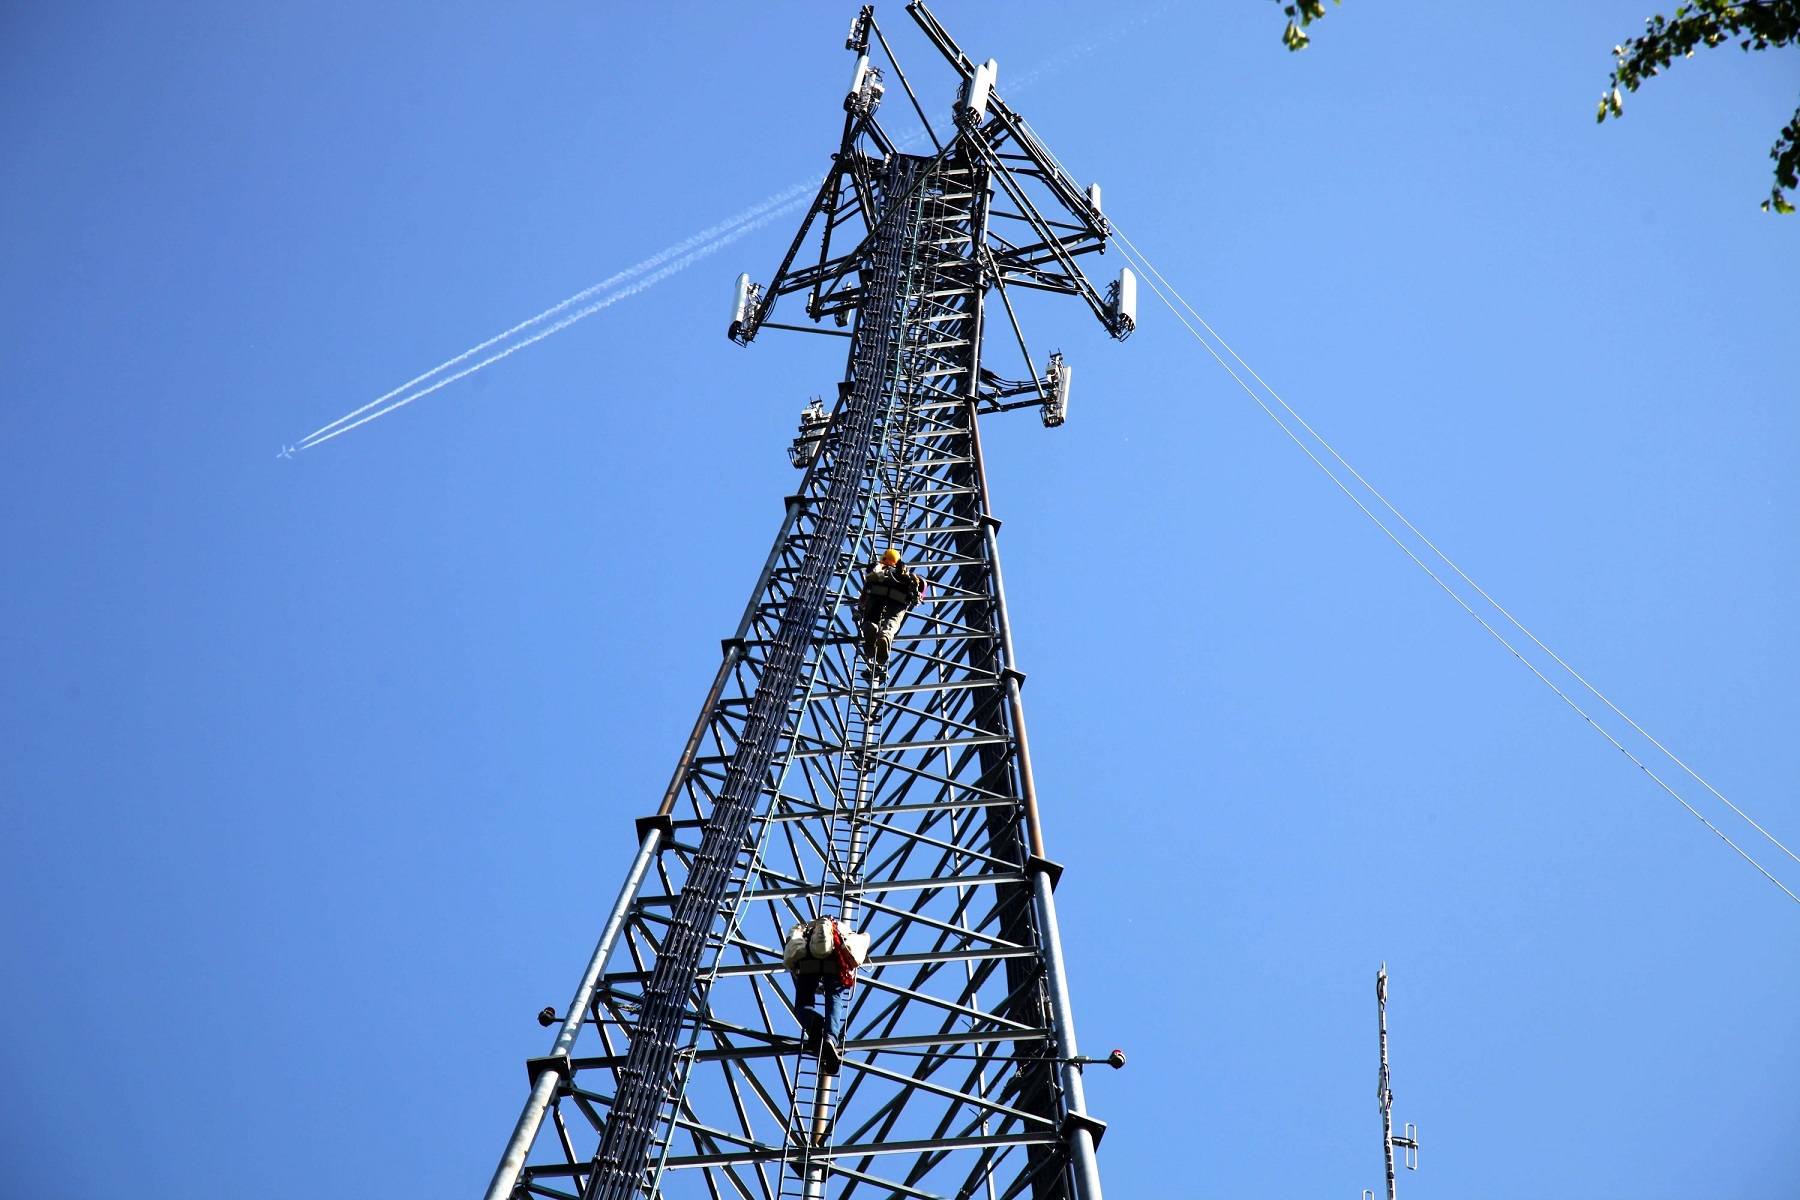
<point>900,802</point>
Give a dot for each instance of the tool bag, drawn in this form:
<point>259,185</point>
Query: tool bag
<point>794,951</point>
<point>816,945</point>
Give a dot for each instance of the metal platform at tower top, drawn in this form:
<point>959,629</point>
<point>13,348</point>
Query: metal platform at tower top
<point>900,801</point>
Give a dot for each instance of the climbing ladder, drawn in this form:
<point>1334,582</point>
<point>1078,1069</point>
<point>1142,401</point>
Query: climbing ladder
<point>807,1147</point>
<point>838,889</point>
<point>811,1119</point>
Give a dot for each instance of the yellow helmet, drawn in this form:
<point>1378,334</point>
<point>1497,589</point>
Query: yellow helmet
<point>889,557</point>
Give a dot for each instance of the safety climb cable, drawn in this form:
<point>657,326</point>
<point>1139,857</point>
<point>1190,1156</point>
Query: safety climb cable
<point>1154,277</point>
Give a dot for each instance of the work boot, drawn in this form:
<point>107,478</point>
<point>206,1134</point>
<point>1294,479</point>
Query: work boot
<point>830,1057</point>
<point>811,1026</point>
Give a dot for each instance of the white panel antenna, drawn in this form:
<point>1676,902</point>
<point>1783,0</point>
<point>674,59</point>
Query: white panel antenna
<point>1124,303</point>
<point>1055,409</point>
<point>976,92</point>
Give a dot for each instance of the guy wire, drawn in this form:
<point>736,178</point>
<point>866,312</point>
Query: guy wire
<point>1151,278</point>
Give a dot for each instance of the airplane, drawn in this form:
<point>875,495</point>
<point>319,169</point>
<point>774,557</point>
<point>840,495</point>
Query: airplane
<point>286,452</point>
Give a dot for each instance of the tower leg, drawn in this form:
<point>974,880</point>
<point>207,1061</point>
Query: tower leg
<point>543,1089</point>
<point>1082,1161</point>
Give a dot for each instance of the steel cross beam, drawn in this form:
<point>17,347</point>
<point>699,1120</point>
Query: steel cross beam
<point>904,804</point>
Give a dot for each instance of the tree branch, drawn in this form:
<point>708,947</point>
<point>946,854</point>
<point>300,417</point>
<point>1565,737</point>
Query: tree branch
<point>1301,14</point>
<point>1704,24</point>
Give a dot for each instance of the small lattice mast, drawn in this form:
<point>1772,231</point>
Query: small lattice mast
<point>1409,1141</point>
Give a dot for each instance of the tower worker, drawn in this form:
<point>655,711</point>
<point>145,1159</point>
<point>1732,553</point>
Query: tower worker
<point>823,956</point>
<point>889,589</point>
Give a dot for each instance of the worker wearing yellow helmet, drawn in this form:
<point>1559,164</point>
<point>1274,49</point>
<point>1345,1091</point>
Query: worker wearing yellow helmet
<point>889,589</point>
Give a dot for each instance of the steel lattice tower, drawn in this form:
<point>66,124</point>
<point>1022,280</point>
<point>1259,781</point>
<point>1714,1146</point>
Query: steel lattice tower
<point>902,804</point>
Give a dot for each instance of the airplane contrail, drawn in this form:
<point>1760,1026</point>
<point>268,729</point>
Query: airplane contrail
<point>650,271</point>
<point>344,424</point>
<point>684,253</point>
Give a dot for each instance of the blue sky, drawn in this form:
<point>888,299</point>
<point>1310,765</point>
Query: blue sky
<point>317,776</point>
